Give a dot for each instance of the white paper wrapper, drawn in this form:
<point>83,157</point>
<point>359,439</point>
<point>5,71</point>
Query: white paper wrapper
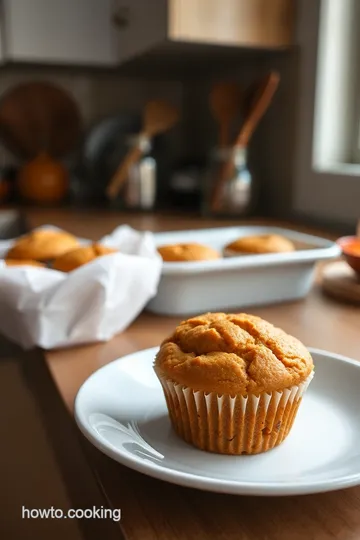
<point>50,309</point>
<point>232,424</point>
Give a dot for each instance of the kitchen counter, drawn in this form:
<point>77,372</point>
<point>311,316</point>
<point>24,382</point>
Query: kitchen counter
<point>155,510</point>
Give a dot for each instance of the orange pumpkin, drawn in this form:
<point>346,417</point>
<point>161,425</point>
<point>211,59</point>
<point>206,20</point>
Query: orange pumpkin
<point>43,180</point>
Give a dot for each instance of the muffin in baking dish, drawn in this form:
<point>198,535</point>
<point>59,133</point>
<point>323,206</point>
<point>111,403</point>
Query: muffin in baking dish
<point>23,262</point>
<point>42,245</point>
<point>80,256</point>
<point>188,252</point>
<point>267,243</point>
<point>232,383</point>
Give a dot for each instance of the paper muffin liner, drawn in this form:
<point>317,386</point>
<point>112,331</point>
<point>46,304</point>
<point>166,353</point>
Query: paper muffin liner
<point>232,424</point>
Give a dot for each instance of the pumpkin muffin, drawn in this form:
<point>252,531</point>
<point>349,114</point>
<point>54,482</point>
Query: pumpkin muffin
<point>267,243</point>
<point>188,252</point>
<point>80,256</point>
<point>42,245</point>
<point>232,383</point>
<point>23,262</point>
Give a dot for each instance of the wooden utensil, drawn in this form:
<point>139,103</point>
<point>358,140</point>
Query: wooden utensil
<point>159,117</point>
<point>225,102</point>
<point>339,281</point>
<point>39,117</point>
<point>260,103</point>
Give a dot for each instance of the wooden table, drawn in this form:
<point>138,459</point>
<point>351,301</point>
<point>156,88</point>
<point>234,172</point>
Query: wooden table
<point>155,510</point>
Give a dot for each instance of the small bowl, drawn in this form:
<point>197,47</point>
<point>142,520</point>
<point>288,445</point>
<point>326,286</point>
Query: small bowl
<point>350,246</point>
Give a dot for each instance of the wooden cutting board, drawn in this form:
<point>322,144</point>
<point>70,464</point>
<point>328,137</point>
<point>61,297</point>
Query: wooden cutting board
<point>341,282</point>
<point>38,117</point>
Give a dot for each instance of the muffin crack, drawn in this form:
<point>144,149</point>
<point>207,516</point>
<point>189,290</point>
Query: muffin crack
<point>239,352</point>
<point>233,348</point>
<point>265,343</point>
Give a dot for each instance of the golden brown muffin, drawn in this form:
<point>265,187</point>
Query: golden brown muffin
<point>268,243</point>
<point>80,256</point>
<point>232,383</point>
<point>232,354</point>
<point>188,252</point>
<point>42,245</point>
<point>23,262</point>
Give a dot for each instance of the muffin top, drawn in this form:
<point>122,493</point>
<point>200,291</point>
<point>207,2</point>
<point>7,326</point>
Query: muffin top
<point>187,252</point>
<point>42,245</point>
<point>267,243</point>
<point>80,256</point>
<point>232,354</point>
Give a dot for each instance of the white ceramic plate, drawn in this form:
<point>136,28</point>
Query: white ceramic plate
<point>122,411</point>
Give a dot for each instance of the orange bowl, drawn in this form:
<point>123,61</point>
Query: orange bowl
<point>350,246</point>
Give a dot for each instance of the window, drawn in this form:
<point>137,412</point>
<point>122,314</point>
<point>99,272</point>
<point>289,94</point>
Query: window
<point>327,173</point>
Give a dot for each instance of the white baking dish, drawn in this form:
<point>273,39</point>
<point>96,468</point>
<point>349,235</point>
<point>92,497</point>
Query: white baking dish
<point>193,287</point>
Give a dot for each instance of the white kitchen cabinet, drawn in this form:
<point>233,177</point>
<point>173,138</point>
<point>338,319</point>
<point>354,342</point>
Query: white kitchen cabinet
<point>111,32</point>
<point>60,31</point>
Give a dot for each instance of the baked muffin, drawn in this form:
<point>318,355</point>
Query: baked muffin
<point>267,243</point>
<point>23,262</point>
<point>80,256</point>
<point>188,252</point>
<point>42,245</point>
<point>232,383</point>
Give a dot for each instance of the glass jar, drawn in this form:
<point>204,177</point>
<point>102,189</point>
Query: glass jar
<point>140,187</point>
<point>228,184</point>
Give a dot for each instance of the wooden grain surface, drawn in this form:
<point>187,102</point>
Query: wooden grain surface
<point>341,282</point>
<point>42,461</point>
<point>258,23</point>
<point>155,510</point>
<point>94,224</point>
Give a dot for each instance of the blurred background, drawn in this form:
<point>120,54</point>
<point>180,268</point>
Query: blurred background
<point>85,84</point>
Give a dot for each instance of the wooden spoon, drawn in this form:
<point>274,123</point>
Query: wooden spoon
<point>159,117</point>
<point>260,103</point>
<point>225,101</point>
